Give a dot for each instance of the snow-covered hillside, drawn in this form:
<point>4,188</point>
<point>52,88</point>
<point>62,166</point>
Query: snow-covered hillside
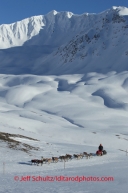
<point>66,114</point>
<point>69,103</point>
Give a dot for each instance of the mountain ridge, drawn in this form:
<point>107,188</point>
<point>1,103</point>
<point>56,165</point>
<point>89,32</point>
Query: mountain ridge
<point>17,33</point>
<point>64,43</point>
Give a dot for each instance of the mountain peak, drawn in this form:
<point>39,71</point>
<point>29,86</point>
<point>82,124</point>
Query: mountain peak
<point>121,10</point>
<point>53,12</point>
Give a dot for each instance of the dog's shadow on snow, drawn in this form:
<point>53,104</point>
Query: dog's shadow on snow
<point>25,163</point>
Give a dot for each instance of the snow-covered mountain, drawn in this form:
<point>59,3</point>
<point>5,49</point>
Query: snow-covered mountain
<point>65,43</point>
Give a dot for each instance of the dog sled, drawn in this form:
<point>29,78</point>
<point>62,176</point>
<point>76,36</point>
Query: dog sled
<point>100,153</point>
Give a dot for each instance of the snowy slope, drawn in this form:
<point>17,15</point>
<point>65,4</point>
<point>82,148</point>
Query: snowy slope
<point>67,114</point>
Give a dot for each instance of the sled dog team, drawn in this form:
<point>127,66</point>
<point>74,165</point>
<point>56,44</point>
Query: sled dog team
<point>67,157</point>
<point>60,158</point>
